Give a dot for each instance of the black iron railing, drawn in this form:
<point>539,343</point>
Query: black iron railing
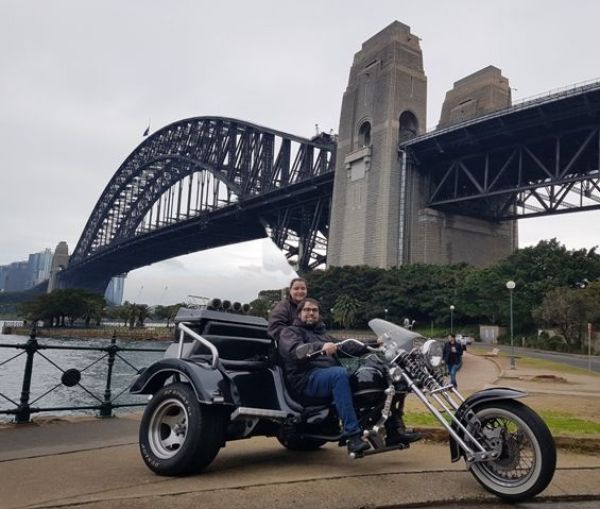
<point>104,403</point>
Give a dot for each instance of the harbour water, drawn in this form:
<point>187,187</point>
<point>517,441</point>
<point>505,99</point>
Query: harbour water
<point>49,364</point>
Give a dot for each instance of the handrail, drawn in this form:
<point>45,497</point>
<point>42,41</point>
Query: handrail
<point>213,349</point>
<point>104,402</point>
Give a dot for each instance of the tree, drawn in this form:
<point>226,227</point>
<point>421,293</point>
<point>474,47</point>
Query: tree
<point>166,312</point>
<point>345,311</point>
<point>120,313</point>
<point>537,270</point>
<point>569,310</point>
<point>260,307</point>
<point>65,304</point>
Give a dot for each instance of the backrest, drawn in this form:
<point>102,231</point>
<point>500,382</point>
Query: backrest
<point>236,337</point>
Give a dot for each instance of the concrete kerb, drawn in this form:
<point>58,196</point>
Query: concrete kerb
<point>492,359</point>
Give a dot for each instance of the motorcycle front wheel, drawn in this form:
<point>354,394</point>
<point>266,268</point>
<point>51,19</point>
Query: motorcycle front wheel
<point>528,458</point>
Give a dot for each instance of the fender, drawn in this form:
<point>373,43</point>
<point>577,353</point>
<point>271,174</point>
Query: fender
<point>211,386</point>
<point>469,405</point>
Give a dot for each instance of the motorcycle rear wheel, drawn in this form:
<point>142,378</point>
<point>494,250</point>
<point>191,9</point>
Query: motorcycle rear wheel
<point>528,459</point>
<point>178,435</point>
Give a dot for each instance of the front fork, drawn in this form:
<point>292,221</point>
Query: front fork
<point>447,397</point>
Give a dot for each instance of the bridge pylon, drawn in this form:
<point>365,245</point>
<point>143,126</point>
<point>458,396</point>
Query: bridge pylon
<point>379,213</point>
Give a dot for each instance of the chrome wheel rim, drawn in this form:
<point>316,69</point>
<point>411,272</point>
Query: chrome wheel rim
<point>168,428</point>
<point>519,462</point>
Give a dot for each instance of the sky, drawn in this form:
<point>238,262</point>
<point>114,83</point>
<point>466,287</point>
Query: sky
<point>80,81</point>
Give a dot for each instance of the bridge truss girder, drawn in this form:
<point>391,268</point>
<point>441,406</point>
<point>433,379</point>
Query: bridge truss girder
<point>538,157</point>
<point>302,232</point>
<point>547,175</point>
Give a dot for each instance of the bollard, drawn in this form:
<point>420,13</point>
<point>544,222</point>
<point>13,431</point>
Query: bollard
<point>23,413</point>
<point>106,407</point>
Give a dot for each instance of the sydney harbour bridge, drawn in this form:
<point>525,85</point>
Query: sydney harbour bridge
<point>206,182</point>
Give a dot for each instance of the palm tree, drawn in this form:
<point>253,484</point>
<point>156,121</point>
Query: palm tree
<point>345,310</point>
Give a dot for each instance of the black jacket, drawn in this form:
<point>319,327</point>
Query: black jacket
<point>297,370</point>
<point>452,358</point>
<point>282,316</point>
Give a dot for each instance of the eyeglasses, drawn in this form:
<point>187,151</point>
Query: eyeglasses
<point>310,310</point>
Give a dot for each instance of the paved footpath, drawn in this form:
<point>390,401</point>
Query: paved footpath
<point>96,464</point>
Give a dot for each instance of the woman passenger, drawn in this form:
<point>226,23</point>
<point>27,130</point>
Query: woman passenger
<point>285,312</point>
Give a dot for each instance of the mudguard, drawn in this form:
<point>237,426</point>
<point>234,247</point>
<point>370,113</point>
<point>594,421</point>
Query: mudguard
<point>471,403</point>
<point>212,386</point>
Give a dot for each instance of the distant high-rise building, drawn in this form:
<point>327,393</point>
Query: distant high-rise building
<point>16,276</point>
<point>3,272</point>
<point>114,290</point>
<point>39,267</point>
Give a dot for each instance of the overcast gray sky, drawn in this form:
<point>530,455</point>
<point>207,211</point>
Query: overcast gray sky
<point>79,81</point>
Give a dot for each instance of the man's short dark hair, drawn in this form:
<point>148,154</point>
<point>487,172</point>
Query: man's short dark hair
<point>305,301</point>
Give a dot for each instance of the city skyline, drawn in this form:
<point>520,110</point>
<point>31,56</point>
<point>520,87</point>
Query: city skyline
<point>80,101</point>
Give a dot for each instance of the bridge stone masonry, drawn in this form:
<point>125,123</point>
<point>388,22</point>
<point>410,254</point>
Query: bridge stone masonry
<point>386,193</point>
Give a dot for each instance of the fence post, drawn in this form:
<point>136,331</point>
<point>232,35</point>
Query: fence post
<point>106,407</point>
<point>23,413</point>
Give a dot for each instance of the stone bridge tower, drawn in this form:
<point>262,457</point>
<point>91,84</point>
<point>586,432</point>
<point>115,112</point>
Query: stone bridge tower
<point>386,100</point>
<point>378,215</point>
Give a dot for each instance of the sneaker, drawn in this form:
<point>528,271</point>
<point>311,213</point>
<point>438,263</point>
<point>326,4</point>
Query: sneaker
<point>356,444</point>
<point>402,437</point>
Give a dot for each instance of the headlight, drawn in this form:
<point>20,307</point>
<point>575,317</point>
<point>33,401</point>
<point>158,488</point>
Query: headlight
<point>433,352</point>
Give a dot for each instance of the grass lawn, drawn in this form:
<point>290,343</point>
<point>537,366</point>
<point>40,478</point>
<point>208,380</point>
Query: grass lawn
<point>560,423</point>
<point>533,363</point>
<point>530,362</point>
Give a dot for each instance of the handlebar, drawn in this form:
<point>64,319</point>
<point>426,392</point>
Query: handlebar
<point>339,345</point>
<point>367,345</point>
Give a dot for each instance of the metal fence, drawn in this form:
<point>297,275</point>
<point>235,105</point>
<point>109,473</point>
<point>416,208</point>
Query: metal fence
<point>104,401</point>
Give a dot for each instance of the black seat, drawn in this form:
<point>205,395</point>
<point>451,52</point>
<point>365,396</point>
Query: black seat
<point>299,402</point>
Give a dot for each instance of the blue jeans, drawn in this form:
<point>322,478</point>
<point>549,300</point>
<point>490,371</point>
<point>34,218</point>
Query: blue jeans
<point>452,370</point>
<point>334,381</point>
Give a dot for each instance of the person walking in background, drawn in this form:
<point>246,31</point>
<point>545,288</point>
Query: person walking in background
<point>453,352</point>
<point>285,312</point>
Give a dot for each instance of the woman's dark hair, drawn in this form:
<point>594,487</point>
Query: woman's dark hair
<point>298,279</point>
<point>304,301</point>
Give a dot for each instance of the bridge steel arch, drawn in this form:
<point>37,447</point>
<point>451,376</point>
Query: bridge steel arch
<point>206,182</point>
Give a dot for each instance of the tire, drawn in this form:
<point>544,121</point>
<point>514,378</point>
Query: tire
<point>294,443</point>
<point>178,435</point>
<point>528,458</point>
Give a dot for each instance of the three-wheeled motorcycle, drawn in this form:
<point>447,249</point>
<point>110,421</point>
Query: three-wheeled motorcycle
<point>220,380</point>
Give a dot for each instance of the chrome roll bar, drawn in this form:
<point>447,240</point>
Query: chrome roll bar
<point>183,330</point>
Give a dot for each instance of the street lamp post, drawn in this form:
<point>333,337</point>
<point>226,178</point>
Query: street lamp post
<point>386,312</point>
<point>511,286</point>
<point>451,318</point>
